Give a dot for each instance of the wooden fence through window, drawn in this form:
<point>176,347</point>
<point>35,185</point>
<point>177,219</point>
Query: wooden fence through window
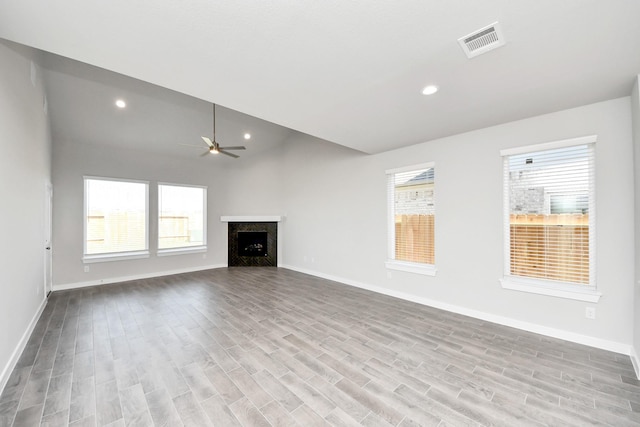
<point>414,238</point>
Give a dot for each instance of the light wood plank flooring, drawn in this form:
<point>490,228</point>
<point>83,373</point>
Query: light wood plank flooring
<point>272,347</point>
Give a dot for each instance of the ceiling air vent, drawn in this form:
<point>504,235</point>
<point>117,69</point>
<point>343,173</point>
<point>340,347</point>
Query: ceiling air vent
<point>483,40</point>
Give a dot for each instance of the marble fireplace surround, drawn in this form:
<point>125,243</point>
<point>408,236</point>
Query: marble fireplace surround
<point>267,223</point>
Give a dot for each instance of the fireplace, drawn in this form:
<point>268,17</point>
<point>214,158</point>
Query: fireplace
<point>253,244</point>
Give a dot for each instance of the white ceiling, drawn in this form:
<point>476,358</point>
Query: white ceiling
<point>81,103</point>
<point>350,72</point>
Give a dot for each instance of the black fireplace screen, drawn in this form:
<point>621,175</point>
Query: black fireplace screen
<point>252,243</point>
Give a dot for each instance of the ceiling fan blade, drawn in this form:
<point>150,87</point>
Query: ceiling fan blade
<point>207,141</point>
<point>239,147</point>
<point>228,154</point>
<point>205,153</point>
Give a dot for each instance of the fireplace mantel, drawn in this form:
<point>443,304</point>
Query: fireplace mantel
<point>251,218</point>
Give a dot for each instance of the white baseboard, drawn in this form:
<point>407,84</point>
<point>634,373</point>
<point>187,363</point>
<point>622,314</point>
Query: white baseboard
<point>635,360</point>
<point>97,282</point>
<point>15,356</point>
<point>489,317</point>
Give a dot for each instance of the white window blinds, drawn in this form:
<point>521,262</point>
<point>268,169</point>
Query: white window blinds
<point>115,216</point>
<point>549,212</point>
<point>411,202</point>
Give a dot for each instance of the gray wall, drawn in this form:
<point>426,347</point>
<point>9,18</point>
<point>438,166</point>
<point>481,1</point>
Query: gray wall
<point>336,222</point>
<point>635,117</point>
<point>25,169</point>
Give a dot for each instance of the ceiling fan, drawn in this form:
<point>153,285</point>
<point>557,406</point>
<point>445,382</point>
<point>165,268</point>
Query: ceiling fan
<point>214,147</point>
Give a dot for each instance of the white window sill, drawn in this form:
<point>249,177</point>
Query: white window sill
<point>554,289</point>
<point>119,256</point>
<point>411,267</point>
<point>182,251</point>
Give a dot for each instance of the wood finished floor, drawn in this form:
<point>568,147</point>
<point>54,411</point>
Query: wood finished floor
<point>272,347</point>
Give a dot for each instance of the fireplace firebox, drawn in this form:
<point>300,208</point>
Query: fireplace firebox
<point>252,243</point>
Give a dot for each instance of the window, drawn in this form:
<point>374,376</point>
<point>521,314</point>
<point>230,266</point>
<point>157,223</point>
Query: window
<point>549,218</point>
<point>411,205</point>
<point>115,219</point>
<point>181,217</point>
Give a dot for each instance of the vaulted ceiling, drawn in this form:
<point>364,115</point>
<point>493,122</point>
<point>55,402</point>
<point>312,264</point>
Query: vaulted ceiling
<point>350,72</point>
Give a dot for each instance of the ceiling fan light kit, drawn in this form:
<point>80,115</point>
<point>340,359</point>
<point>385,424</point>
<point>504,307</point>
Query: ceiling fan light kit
<point>214,147</point>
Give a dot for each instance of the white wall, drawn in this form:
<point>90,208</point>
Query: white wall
<point>635,117</point>
<point>243,187</point>
<point>73,161</point>
<point>335,200</point>
<point>253,185</point>
<point>25,168</point>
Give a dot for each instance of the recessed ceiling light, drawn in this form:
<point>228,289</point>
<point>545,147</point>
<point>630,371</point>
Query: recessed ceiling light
<point>430,90</point>
<point>247,136</point>
<point>120,103</point>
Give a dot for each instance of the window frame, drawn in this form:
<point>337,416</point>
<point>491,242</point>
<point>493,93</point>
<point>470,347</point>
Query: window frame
<point>114,256</point>
<point>392,263</point>
<point>184,249</point>
<point>568,290</point>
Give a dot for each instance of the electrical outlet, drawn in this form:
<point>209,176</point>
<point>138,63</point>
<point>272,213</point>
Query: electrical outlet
<point>86,269</point>
<point>590,312</point>
<point>204,256</point>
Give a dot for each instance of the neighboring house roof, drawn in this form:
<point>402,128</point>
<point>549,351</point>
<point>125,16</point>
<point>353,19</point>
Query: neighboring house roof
<point>425,177</point>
